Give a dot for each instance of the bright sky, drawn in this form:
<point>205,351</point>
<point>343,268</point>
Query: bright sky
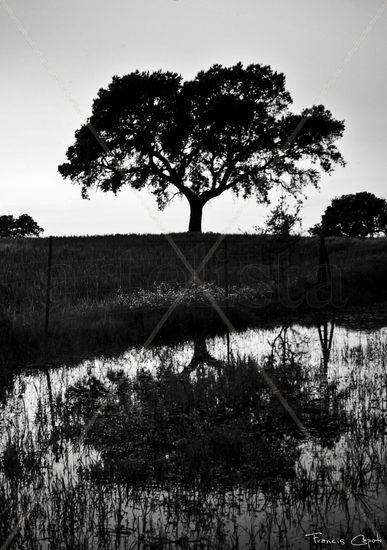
<point>55,55</point>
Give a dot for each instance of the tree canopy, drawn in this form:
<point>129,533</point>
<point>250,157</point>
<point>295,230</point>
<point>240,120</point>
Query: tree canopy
<point>23,226</point>
<point>355,215</point>
<point>230,128</point>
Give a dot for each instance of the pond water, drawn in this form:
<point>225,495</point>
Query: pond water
<point>257,439</point>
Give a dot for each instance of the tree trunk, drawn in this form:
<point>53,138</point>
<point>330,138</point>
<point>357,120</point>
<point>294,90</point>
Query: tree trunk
<point>195,218</point>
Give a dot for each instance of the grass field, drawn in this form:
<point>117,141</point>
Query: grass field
<point>108,288</point>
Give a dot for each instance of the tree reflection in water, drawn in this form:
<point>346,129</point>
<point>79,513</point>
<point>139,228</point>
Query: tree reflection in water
<point>203,453</point>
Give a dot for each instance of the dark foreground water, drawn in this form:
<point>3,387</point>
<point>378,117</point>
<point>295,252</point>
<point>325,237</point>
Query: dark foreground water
<point>258,440</point>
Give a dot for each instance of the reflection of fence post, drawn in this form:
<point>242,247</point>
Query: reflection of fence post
<point>48,287</point>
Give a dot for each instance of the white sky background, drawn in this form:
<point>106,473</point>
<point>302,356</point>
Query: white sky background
<point>86,42</point>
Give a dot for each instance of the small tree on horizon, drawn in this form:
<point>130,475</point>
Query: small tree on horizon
<point>228,129</point>
<point>354,215</point>
<point>23,226</point>
<point>283,219</point>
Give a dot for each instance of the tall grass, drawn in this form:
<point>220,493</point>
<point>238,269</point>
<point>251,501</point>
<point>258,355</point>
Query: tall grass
<point>94,268</point>
<point>109,289</point>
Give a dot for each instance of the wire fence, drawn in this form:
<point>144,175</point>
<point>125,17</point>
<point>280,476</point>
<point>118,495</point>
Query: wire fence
<point>56,274</point>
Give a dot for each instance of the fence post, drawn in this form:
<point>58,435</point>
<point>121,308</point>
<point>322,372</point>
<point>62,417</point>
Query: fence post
<point>226,272</point>
<point>204,266</point>
<point>324,268</point>
<point>226,294</point>
<point>48,286</point>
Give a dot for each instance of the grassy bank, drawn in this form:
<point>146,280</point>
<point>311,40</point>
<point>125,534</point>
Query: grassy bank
<point>94,268</point>
<point>114,290</point>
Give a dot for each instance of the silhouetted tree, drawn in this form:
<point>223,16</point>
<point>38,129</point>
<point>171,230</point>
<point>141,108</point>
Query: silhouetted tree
<point>6,225</point>
<point>282,219</point>
<point>227,129</point>
<point>23,226</point>
<point>356,215</point>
